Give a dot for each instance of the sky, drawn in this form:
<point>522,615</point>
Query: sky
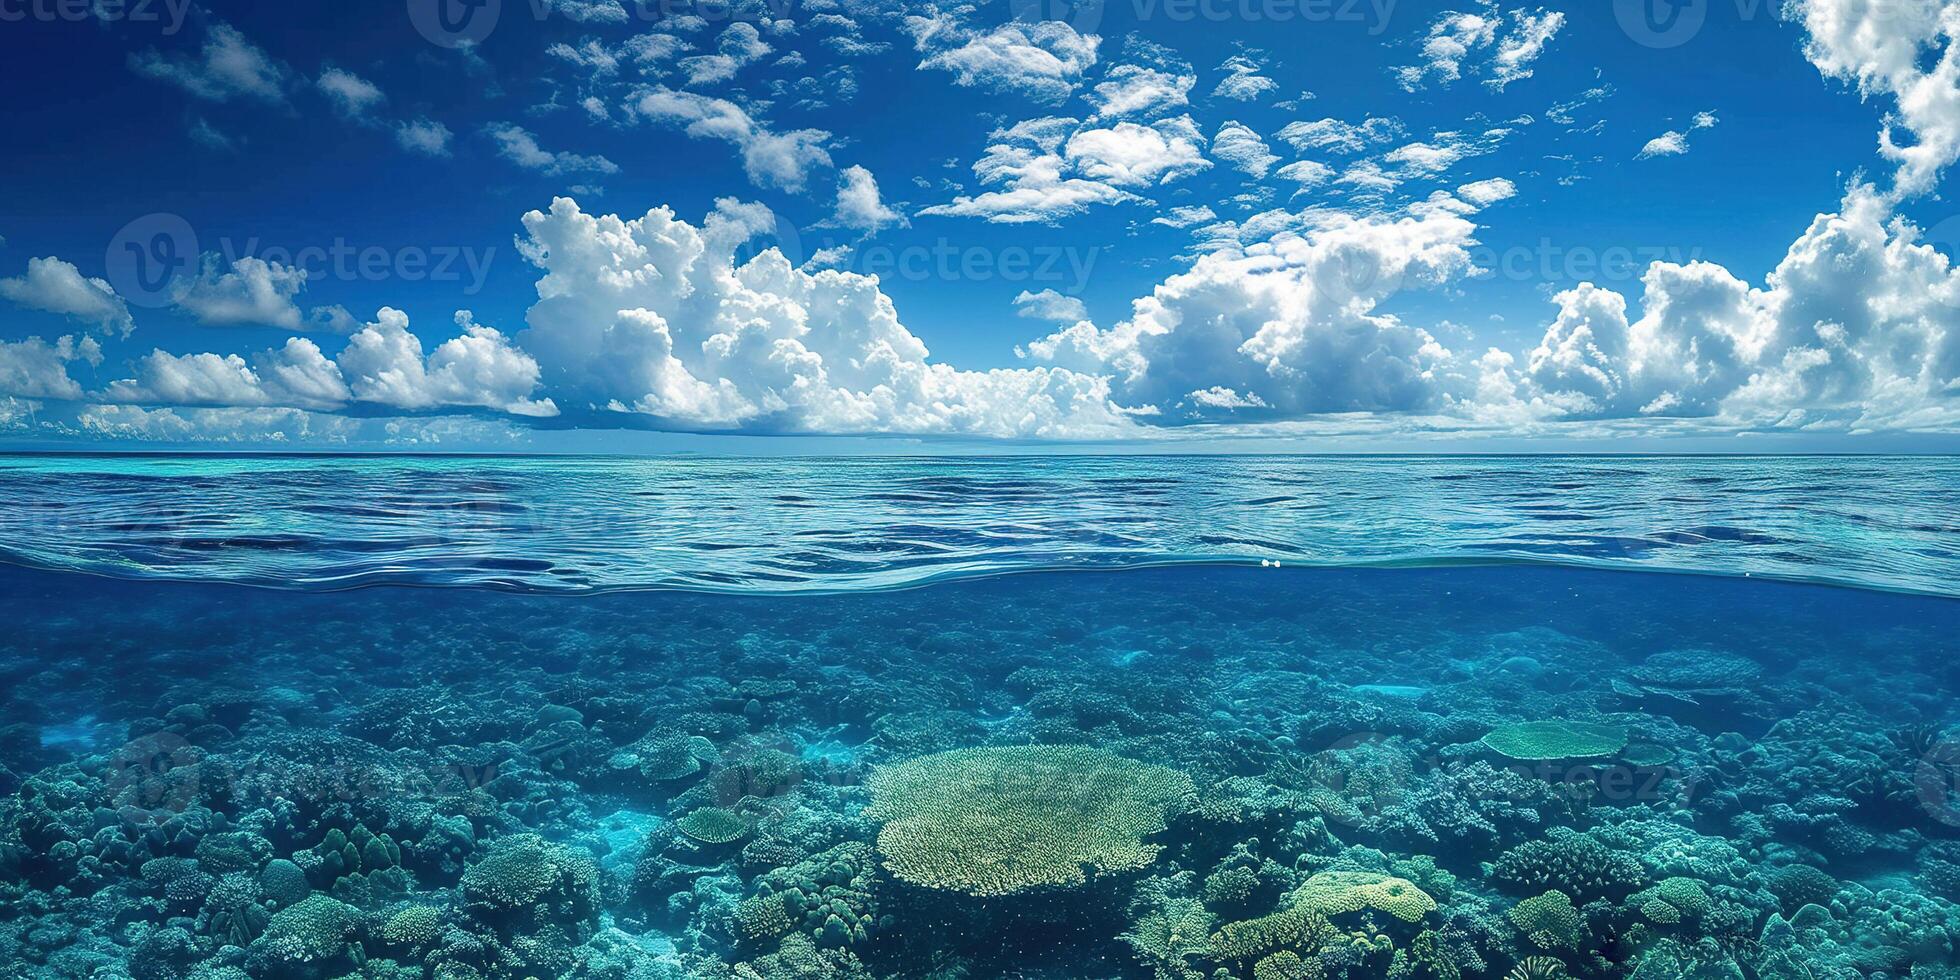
<point>1012,226</point>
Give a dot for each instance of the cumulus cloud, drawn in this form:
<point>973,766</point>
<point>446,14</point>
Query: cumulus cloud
<point>1239,146</point>
<point>383,364</point>
<point>771,159</point>
<point>1137,90</point>
<point>55,286</point>
<point>229,66</point>
<point>1034,179</point>
<point>652,316</point>
<point>34,368</point>
<point>1902,50</point>
<point>252,292</point>
<point>739,46</point>
<point>1857,328</point>
<point>1130,155</point>
<point>1041,60</point>
<point>1287,326</point>
<point>1672,143</point>
<point>1243,80</point>
<point>1185,216</point>
<point>859,205</point>
<point>1500,48</point>
<point>1051,306</point>
<point>517,145</point>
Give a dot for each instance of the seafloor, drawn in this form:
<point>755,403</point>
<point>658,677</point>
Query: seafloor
<point>1188,772</point>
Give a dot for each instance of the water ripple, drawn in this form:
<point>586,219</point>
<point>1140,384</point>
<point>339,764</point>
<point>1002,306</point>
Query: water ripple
<point>807,525</point>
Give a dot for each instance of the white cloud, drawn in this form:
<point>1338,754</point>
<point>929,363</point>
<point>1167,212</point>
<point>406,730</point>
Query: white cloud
<point>1043,60</point>
<point>1239,146</point>
<point>519,147</point>
<point>1904,50</point>
<point>1135,90</point>
<point>1674,142</point>
<point>351,95</point>
<point>589,11</point>
<point>1483,193</point>
<point>253,293</point>
<point>1858,328</point>
<point>859,205</point>
<point>1288,325</point>
<point>771,159</point>
<point>382,364</point>
<point>1669,144</point>
<point>1051,306</point>
<point>1335,136</point>
<point>229,66</point>
<point>1478,41</point>
<point>1306,173</point>
<point>424,136</point>
<point>1025,162</point>
<point>227,426</point>
<point>1185,217</point>
<point>650,315</point>
<point>1529,35</point>
<point>1130,155</point>
<point>59,287</point>
<point>34,368</point>
<point>739,46</point>
<point>1243,80</point>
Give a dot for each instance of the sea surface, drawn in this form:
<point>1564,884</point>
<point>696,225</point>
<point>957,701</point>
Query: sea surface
<point>1196,718</point>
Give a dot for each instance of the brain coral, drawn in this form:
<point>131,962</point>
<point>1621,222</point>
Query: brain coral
<point>997,821</point>
<point>1536,741</point>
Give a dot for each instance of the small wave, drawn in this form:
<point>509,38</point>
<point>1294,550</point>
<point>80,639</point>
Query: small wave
<point>838,525</point>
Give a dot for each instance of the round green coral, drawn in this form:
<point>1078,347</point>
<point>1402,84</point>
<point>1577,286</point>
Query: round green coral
<point>714,825</point>
<point>1332,893</point>
<point>1539,741</point>
<point>1549,920</point>
<point>998,821</point>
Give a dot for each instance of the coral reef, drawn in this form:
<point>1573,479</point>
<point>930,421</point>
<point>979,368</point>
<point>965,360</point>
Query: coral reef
<point>1149,776</point>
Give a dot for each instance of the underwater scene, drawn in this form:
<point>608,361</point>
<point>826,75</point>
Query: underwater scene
<point>1201,718</point>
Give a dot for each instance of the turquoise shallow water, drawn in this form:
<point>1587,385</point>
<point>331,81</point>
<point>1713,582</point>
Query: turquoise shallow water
<point>676,720</point>
<point>841,524</point>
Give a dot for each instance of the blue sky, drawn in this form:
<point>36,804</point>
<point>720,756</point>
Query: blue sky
<point>1027,225</point>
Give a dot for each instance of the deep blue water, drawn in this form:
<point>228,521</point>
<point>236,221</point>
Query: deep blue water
<point>648,719</point>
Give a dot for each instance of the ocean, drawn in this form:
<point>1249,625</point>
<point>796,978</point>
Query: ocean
<point>1190,718</point>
